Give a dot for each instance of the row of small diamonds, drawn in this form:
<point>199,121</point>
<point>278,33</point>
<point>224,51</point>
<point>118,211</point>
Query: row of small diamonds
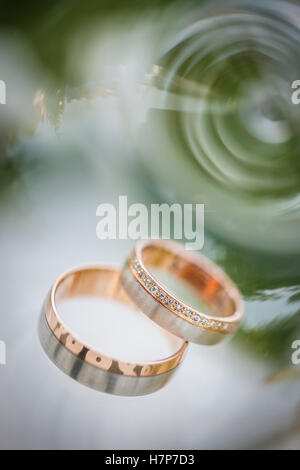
<point>172,304</point>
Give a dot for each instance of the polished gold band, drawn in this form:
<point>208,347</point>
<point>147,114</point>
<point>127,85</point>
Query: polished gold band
<point>209,281</point>
<point>85,364</point>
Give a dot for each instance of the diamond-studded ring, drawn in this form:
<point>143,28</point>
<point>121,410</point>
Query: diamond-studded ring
<point>86,365</point>
<point>208,281</point>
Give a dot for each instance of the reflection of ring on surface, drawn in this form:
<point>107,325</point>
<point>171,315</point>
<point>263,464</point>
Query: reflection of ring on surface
<point>85,365</point>
<point>213,286</point>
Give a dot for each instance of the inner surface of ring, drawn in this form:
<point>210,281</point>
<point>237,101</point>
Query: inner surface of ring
<point>93,282</point>
<point>205,284</point>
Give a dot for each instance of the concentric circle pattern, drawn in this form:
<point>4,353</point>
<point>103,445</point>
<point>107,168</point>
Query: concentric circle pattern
<point>225,130</point>
<point>244,130</point>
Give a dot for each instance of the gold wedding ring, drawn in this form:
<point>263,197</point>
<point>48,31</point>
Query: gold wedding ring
<point>137,287</point>
<point>83,363</point>
<point>170,312</point>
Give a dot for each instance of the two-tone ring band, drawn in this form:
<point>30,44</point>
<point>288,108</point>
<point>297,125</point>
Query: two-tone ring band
<point>210,283</point>
<point>86,365</point>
